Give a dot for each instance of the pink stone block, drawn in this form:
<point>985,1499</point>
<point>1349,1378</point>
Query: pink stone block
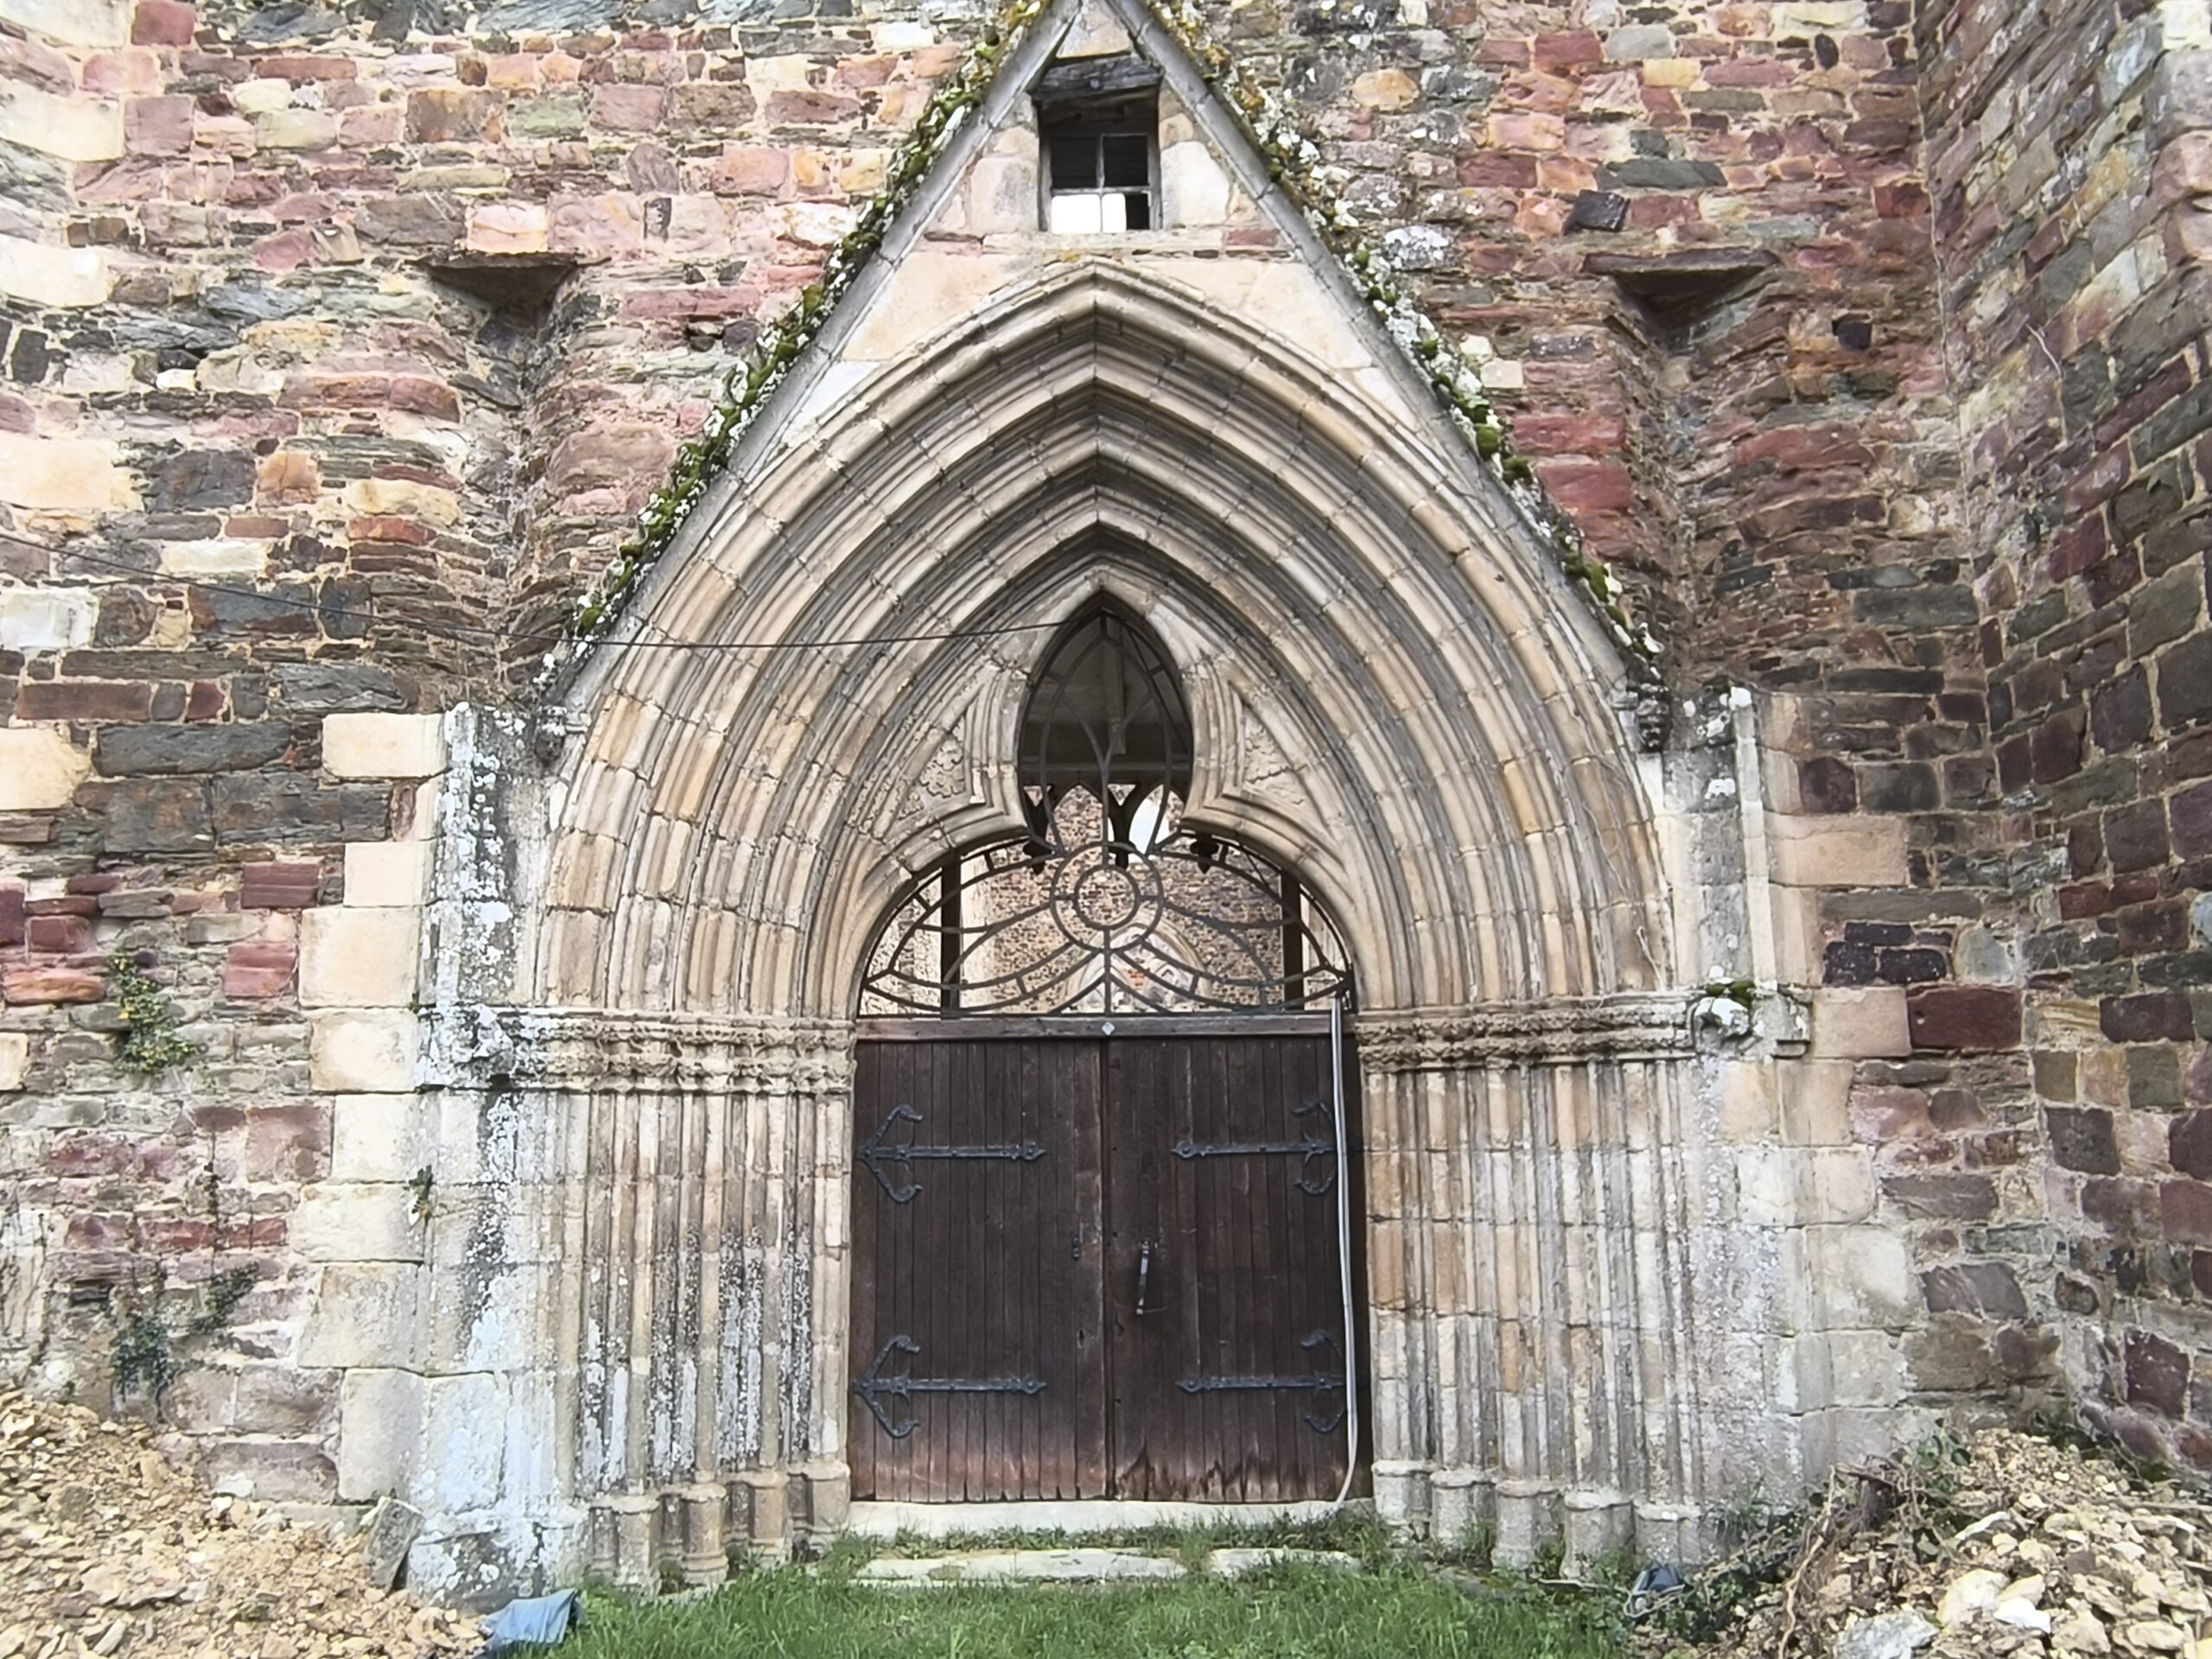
<point>287,250</point>
<point>628,109</point>
<point>163,23</point>
<point>255,970</point>
<point>48,986</point>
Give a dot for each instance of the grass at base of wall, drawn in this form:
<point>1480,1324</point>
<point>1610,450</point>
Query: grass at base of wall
<point>1290,1613</point>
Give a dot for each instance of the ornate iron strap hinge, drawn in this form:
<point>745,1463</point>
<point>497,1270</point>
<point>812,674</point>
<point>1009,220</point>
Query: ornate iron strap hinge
<point>1319,1383</point>
<point>874,1388</point>
<point>880,1151</point>
<point>1314,1148</point>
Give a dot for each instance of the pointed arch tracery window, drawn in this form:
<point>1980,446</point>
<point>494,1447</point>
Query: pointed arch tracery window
<point>1110,903</point>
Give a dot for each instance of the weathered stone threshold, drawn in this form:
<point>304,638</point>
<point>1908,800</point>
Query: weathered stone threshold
<point>880,1519</point>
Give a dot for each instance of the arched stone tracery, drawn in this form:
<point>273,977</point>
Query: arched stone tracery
<point>1392,692</point>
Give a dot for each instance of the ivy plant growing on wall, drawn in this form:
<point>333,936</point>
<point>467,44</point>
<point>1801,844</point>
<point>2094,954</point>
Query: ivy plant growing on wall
<point>152,1040</point>
<point>1294,162</point>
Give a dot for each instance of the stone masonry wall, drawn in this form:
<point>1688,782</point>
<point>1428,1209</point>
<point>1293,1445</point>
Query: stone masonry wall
<point>379,334</point>
<point>271,450</point>
<point>2070,164</point>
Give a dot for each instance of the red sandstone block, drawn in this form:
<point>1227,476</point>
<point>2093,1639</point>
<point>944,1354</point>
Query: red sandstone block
<point>90,1152</point>
<point>636,109</point>
<point>2084,898</point>
<point>420,395</point>
<point>286,251</point>
<point>404,530</point>
<point>311,390</point>
<point>452,115</point>
<point>84,700</point>
<point>1809,446</point>
<point>2152,1017</point>
<point>2190,815</point>
<point>1964,1017</point>
<point>2185,1212</point>
<point>1900,201</point>
<point>205,699</point>
<point>795,108</point>
<point>255,969</point>
<point>1566,50</point>
<point>175,1234</point>
<point>1584,486</point>
<point>1568,434</point>
<point>371,127</point>
<point>163,23</point>
<point>307,66</point>
<point>288,1143</point>
<point>280,886</point>
<point>67,936</point>
<point>46,986</point>
<point>752,171</point>
<point>157,126</point>
<point>2157,1373</point>
<point>12,921</point>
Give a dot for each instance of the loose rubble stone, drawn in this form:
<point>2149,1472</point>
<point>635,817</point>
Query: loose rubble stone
<point>107,1548</point>
<point>2024,1549</point>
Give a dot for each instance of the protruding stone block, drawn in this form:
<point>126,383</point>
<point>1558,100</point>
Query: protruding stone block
<point>1839,850</point>
<point>381,873</point>
<point>347,1221</point>
<point>46,619</point>
<point>56,474</point>
<point>72,129</point>
<point>384,745</point>
<point>366,1313</point>
<point>364,1051</point>
<point>380,1432</point>
<point>1862,1023</point>
<point>463,1438</point>
<point>72,23</point>
<point>353,958</point>
<point>378,1137</point>
<point>40,767</point>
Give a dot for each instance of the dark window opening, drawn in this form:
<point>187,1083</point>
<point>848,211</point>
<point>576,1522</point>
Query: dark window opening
<point>1101,168</point>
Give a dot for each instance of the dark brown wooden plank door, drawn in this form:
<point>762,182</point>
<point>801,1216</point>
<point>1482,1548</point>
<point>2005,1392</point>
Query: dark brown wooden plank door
<point>978,1366</point>
<point>1224,1311</point>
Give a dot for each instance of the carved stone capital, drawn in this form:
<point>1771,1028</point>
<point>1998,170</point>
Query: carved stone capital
<point>1563,1031</point>
<point>581,1049</point>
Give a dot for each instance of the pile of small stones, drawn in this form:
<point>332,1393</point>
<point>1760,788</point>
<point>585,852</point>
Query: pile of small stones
<point>2036,1552</point>
<point>108,1547</point>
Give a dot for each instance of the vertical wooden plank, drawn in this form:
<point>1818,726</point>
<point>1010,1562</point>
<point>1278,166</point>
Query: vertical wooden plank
<point>1090,1422</point>
<point>860,1233</point>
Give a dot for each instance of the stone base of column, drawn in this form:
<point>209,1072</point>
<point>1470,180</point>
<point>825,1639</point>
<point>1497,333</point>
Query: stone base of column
<point>1401,1495</point>
<point>1599,1523</point>
<point>1528,1521</point>
<point>1460,1500</point>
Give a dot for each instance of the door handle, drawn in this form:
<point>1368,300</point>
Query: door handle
<point>1144,1277</point>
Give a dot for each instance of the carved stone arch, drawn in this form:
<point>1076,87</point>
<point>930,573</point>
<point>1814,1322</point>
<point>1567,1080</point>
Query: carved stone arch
<point>1324,564</point>
<point>1492,765</point>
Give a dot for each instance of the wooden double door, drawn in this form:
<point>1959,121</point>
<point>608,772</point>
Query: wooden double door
<point>1090,1266</point>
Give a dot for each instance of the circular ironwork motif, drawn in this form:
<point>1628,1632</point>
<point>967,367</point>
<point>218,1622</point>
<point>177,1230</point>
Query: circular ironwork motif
<point>1096,903</point>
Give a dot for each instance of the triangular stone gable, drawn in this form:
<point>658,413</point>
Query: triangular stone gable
<point>1228,237</point>
<point>967,236</point>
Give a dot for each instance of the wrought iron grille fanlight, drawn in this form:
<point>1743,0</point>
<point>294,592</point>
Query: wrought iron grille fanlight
<point>1110,904</point>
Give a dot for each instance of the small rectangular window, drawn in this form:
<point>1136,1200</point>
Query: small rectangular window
<point>1101,172</point>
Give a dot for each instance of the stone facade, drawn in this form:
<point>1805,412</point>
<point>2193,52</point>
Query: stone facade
<point>1865,338</point>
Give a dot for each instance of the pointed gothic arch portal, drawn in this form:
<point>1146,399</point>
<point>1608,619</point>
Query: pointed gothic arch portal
<point>1102,1202</point>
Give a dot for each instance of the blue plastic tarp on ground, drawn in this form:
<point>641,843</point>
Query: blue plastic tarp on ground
<point>535,1621</point>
